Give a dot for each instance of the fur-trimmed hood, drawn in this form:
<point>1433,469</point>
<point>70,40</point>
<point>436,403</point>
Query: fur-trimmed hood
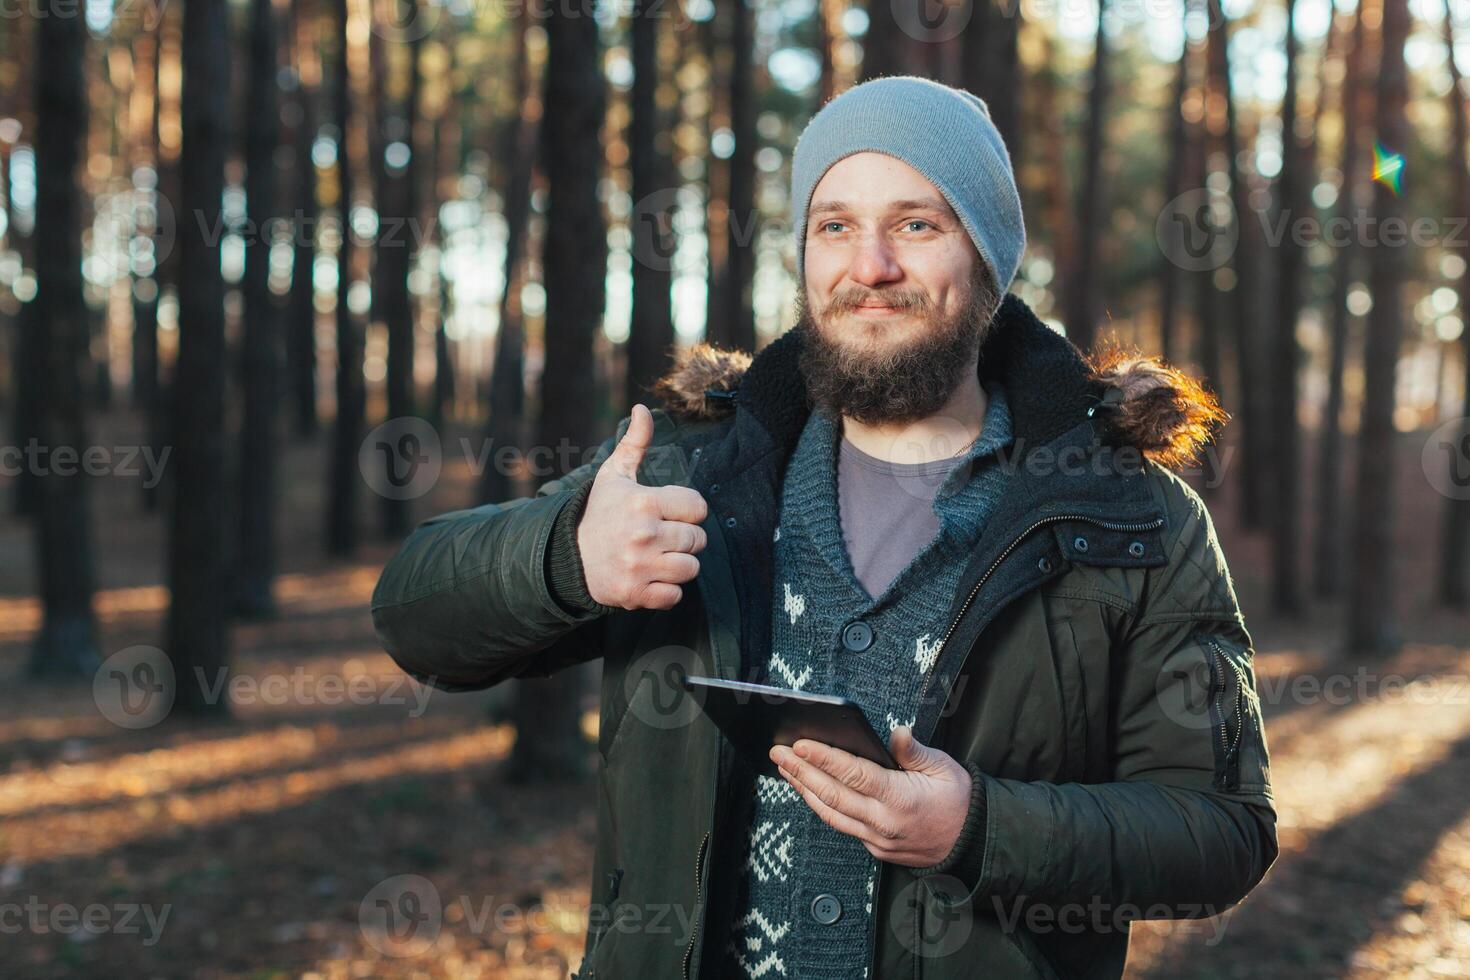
<point>1164,413</point>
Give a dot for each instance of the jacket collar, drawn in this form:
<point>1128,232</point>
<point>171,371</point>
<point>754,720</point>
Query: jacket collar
<point>1122,399</point>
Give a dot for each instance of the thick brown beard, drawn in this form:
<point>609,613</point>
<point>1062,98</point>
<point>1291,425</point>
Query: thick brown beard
<point>905,384</point>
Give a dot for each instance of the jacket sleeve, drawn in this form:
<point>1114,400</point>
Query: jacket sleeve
<point>1187,827</point>
<point>475,597</point>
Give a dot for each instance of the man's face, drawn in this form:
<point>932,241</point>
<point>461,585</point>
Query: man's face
<point>895,297</point>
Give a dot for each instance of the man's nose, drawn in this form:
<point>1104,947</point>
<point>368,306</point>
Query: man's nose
<point>874,264</point>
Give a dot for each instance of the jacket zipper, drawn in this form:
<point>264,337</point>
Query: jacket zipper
<point>698,896</point>
<point>1054,519</point>
<point>1228,747</point>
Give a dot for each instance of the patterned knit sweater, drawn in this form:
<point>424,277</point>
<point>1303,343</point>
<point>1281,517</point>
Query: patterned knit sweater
<point>790,856</point>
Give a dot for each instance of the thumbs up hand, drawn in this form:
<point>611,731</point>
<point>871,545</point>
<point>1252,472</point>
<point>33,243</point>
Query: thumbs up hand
<point>638,543</point>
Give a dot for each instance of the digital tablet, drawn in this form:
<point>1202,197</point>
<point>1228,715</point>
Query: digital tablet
<point>756,716</point>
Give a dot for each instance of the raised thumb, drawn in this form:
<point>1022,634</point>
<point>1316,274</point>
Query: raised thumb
<point>628,455</point>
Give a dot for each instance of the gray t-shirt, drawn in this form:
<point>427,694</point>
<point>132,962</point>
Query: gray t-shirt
<point>887,511</point>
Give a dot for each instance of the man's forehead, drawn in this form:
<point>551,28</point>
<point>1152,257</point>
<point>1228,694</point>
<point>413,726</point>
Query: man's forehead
<point>877,201</point>
<point>873,181</point>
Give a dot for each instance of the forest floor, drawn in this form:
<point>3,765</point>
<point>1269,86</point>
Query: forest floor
<point>260,848</point>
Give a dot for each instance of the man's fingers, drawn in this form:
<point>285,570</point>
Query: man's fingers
<point>658,595</point>
<point>680,536</point>
<point>676,503</point>
<point>628,454</point>
<point>861,775</point>
<point>674,566</point>
<point>835,794</point>
<point>834,818</point>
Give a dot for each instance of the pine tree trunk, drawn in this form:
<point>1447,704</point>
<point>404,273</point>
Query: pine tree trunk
<point>342,528</point>
<point>1329,553</point>
<point>717,51</point>
<point>1454,565</point>
<point>160,417</point>
<point>396,247</point>
<point>57,322</point>
<point>1251,455</point>
<point>1373,625</point>
<point>196,624</point>
<point>885,47</point>
<point>1285,512</point>
<point>654,188</point>
<point>549,743</point>
<point>261,346</point>
<point>1082,290</point>
<point>301,318</point>
<point>145,287</point>
<point>507,424</point>
<point>1169,272</point>
<point>743,225</point>
<point>991,67</point>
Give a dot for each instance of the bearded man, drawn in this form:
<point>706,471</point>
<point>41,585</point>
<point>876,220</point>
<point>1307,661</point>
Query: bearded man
<point>925,500</point>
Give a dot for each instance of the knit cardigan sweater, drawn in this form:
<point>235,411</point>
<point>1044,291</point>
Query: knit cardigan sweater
<point>789,856</point>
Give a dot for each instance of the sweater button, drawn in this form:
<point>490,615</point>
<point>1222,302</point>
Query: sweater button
<point>1044,564</point>
<point>857,636</point>
<point>1136,549</point>
<point>1080,543</point>
<point>826,909</point>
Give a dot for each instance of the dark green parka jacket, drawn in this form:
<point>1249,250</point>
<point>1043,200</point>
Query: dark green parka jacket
<point>1095,676</point>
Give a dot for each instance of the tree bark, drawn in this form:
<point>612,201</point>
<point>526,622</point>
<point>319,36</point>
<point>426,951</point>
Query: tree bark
<point>1170,279</point>
<point>1454,567</point>
<point>743,218</point>
<point>66,645</point>
<point>1328,551</point>
<point>1251,454</point>
<point>301,319</point>
<point>654,188</point>
<point>1373,625</point>
<point>991,67</point>
<point>507,424</point>
<point>1285,442</point>
<point>549,741</point>
<point>342,497</point>
<point>396,247</point>
<point>261,344</point>
<point>1082,297</point>
<point>196,623</point>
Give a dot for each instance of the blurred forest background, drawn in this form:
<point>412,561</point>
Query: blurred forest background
<point>246,245</point>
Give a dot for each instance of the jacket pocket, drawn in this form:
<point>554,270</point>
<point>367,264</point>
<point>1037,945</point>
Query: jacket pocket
<point>1238,734</point>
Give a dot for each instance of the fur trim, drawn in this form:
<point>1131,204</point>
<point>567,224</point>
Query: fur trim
<point>698,370</point>
<point>1160,410</point>
<point>1166,414</point>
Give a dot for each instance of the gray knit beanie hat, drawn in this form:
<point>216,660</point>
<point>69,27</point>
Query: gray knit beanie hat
<point>945,134</point>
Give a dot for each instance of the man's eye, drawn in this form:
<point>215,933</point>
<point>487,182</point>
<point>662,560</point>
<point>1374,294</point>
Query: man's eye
<point>831,225</point>
<point>923,225</point>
